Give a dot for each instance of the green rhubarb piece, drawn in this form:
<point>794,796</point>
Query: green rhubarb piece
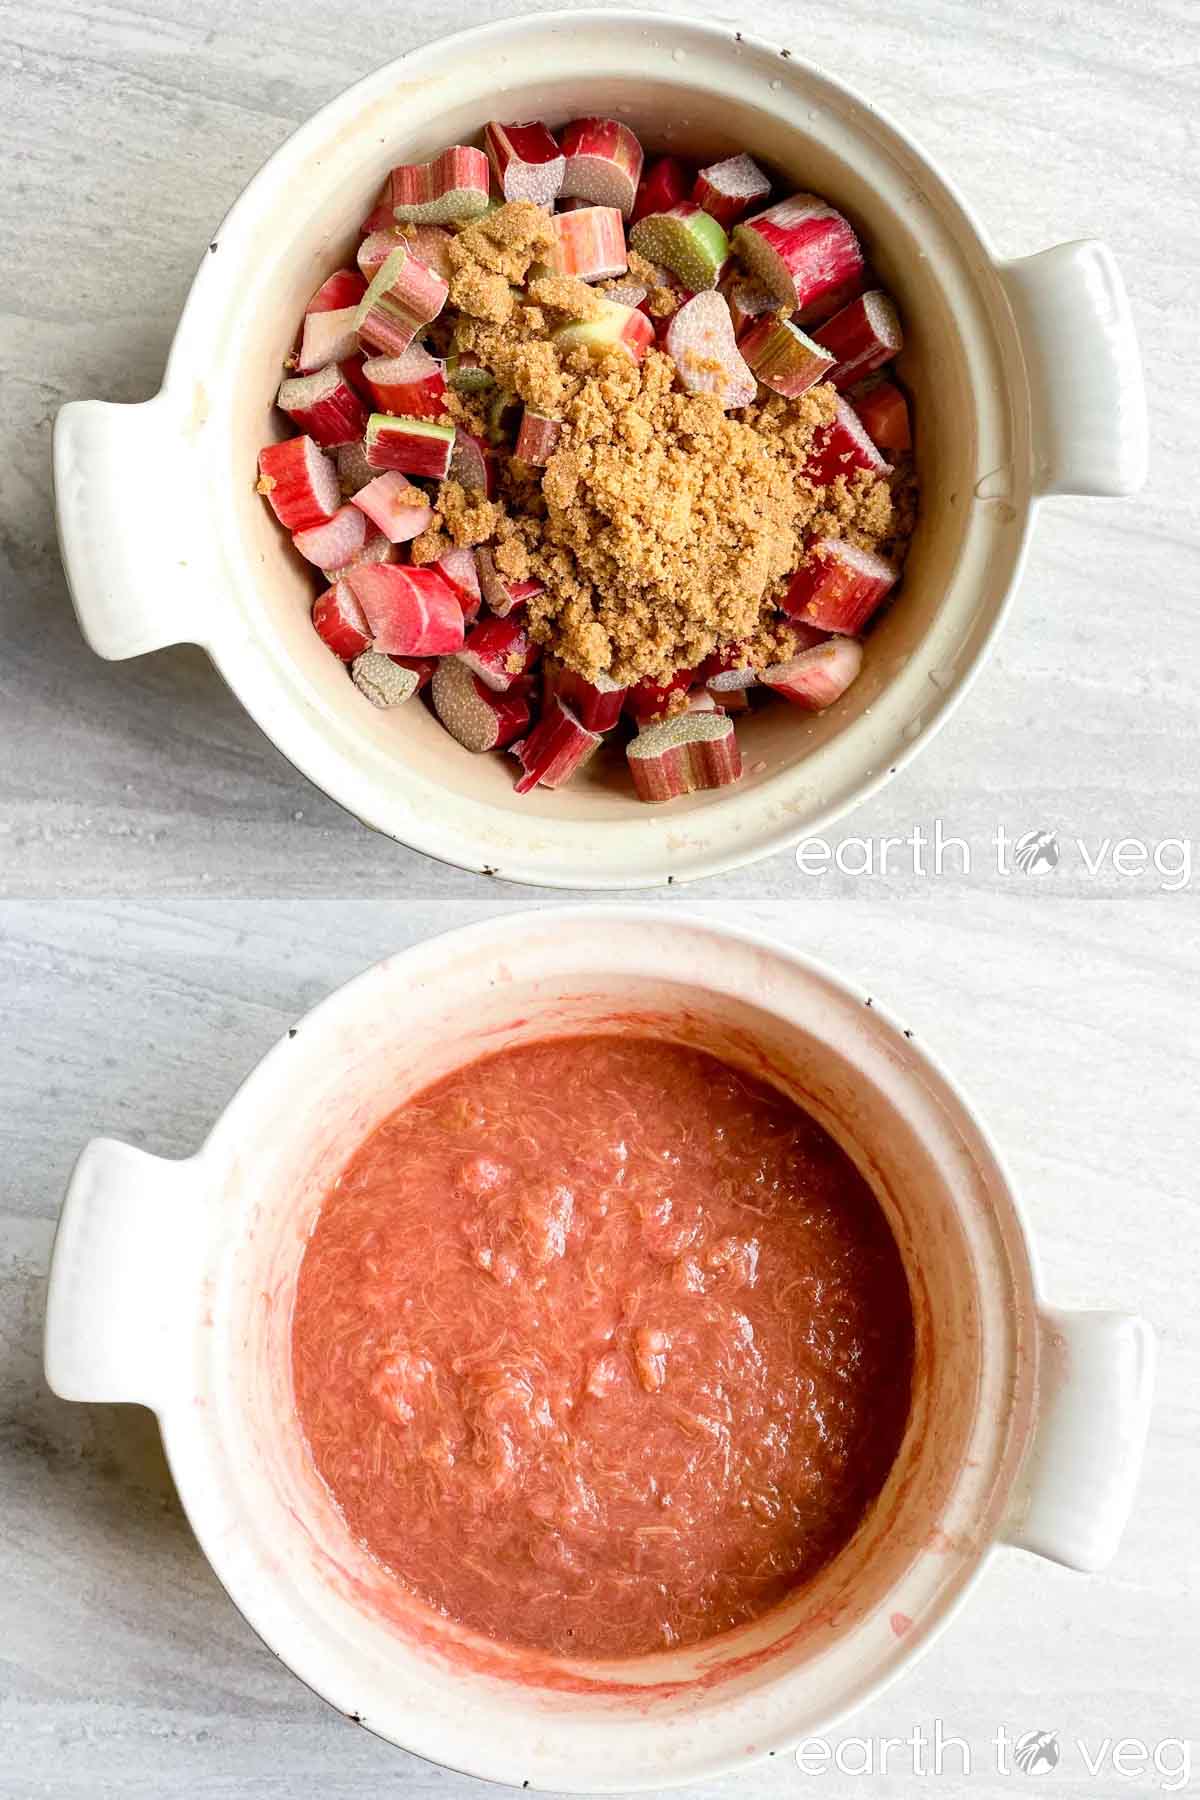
<point>687,240</point>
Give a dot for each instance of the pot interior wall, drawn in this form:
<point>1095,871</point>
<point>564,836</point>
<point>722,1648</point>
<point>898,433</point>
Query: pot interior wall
<point>945,606</point>
<point>841,1627</point>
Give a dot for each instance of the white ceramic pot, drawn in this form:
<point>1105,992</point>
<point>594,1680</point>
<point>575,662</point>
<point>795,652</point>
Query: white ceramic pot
<point>1026,379</point>
<point>172,1286</point>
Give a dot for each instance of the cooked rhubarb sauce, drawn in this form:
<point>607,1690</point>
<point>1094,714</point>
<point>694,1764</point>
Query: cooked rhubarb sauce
<point>601,1346</point>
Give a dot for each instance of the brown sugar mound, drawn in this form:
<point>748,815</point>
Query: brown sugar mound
<point>661,528</point>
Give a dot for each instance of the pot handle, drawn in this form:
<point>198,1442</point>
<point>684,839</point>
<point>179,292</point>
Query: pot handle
<point>123,489</point>
<point>1088,400</point>
<point>1076,1491</point>
<point>124,1254</point>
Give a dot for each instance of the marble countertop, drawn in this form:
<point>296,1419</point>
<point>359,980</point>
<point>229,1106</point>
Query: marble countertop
<point>173,894</point>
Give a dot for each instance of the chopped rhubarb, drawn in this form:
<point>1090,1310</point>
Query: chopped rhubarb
<point>748,300</point>
<point>414,446</point>
<point>665,183</point>
<point>603,163</point>
<point>499,651</point>
<point>345,287</point>
<point>328,337</point>
<point>693,751</point>
<point>538,438</point>
<point>451,187</point>
<point>467,375</point>
<point>400,510</point>
<point>299,482</point>
<point>341,622</point>
<point>430,244</point>
<point>502,594</point>
<point>334,543</point>
<point>883,414</point>
<point>354,471</point>
<point>782,357</point>
<point>730,700</point>
<point>588,243</point>
<point>628,293</point>
<point>727,190</point>
<point>699,700</point>
<point>421,666</point>
<point>404,296</point>
<point>384,682</point>
<point>655,699</point>
<point>800,249</point>
<point>374,548</point>
<point>838,586</point>
<point>597,704</point>
<point>686,240</point>
<point>325,406</point>
<point>818,677</point>
<point>841,447</point>
<point>411,612</point>
<point>458,568</point>
<point>727,671</point>
<point>526,161</point>
<point>374,251</point>
<point>556,748</point>
<point>610,327</point>
<point>861,338</point>
<point>700,339</point>
<point>473,464</point>
<point>477,717</point>
<point>413,385</point>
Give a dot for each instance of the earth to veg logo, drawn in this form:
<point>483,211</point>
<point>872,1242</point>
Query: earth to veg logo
<point>1037,1752</point>
<point>1037,852</point>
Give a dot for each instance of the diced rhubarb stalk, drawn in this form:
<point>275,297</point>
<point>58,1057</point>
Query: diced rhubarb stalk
<point>731,700</point>
<point>300,484</point>
<point>597,704</point>
<point>467,375</point>
<point>374,250</point>
<point>696,750</point>
<point>611,327</point>
<point>503,595</point>
<point>883,414</point>
<point>333,544</point>
<point>665,183</point>
<point>603,163</point>
<point>782,357</point>
<point>421,666</point>
<point>345,287</point>
<point>341,622</point>
<point>556,748</point>
<point>473,464</point>
<point>499,652</point>
<point>816,678</point>
<point>727,671</point>
<point>727,190</point>
<point>380,215</point>
<point>700,338</point>
<point>354,471</point>
<point>384,682</point>
<point>526,161</point>
<point>328,337</point>
<point>748,300</point>
<point>699,700</point>
<point>654,699</point>
<point>410,612</point>
<point>453,186</point>
<point>538,438</point>
<point>399,510</point>
<point>413,384</point>
<point>458,569</point>
<point>627,293</point>
<point>403,297</point>
<point>588,243</point>
<point>686,240</point>
<point>838,586</point>
<point>325,406</point>
<point>430,244</point>
<point>375,548</point>
<point>414,446</point>
<point>841,447</point>
<point>800,249</point>
<point>472,713</point>
<point>861,338</point>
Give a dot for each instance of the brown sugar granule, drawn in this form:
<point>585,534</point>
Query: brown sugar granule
<point>661,298</point>
<point>493,255</point>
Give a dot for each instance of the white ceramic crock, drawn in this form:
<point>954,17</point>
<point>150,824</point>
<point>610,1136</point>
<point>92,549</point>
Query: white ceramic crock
<point>1026,380</point>
<point>172,1286</point>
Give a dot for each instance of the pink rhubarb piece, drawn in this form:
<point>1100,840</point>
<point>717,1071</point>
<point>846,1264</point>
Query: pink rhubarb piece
<point>588,244</point>
<point>729,189</point>
<point>478,717</point>
<point>683,755</point>
<point>526,161</point>
<point>452,187</point>
<point>800,249</point>
<point>861,338</point>
<point>818,677</point>
<point>410,611</point>
<point>399,510</point>
<point>700,338</point>
<point>414,446</point>
<point>783,357</point>
<point>341,622</point>
<point>838,586</point>
<point>325,406</point>
<point>499,651</point>
<point>333,544</point>
<point>412,385</point>
<point>603,163</point>
<point>404,296</point>
<point>556,748</point>
<point>883,414</point>
<point>842,447</point>
<point>383,681</point>
<point>300,483</point>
